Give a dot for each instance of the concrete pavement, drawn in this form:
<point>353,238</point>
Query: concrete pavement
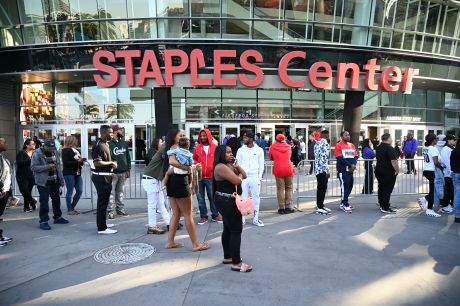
<point>365,258</point>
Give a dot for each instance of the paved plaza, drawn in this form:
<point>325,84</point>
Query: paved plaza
<point>365,258</point>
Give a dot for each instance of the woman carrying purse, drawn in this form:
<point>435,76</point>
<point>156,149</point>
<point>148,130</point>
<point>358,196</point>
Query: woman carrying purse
<point>227,175</point>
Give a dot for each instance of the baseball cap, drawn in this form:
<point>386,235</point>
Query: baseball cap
<point>50,144</point>
<point>249,134</point>
<point>280,137</point>
<point>116,127</point>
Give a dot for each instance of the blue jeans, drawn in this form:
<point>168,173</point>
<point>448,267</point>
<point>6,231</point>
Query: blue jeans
<point>73,182</point>
<point>202,184</point>
<point>456,179</point>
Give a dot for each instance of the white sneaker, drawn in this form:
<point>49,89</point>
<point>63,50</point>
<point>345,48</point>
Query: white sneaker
<point>108,231</point>
<point>3,243</point>
<point>447,210</point>
<point>110,225</point>
<point>327,209</point>
<point>346,209</point>
<point>321,211</point>
<point>422,203</point>
<point>257,222</point>
<point>432,213</point>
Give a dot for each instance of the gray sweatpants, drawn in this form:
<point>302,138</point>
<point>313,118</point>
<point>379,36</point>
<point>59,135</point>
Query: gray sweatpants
<point>118,193</point>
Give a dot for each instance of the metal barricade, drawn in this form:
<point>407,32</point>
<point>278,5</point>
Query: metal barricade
<point>304,183</point>
<point>406,184</point>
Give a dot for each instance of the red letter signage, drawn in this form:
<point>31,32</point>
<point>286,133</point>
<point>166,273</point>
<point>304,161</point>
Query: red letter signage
<point>282,69</point>
<point>114,76</point>
<point>252,68</point>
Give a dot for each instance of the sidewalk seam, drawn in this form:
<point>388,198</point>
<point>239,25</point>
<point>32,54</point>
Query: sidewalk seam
<point>196,265</point>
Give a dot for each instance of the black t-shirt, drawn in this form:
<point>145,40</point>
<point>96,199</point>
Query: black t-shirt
<point>101,152</point>
<point>385,153</point>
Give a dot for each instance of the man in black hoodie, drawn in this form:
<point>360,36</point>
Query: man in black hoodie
<point>120,153</point>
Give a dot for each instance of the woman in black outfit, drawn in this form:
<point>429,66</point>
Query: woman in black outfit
<point>228,176</point>
<point>72,163</point>
<point>311,151</point>
<point>180,199</point>
<point>24,175</point>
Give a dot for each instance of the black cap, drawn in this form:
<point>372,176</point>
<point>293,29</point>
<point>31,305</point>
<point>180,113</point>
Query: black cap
<point>50,144</point>
<point>249,134</point>
<point>450,137</point>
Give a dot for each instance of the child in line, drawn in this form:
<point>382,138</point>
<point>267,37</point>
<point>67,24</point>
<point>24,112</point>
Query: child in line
<point>183,156</point>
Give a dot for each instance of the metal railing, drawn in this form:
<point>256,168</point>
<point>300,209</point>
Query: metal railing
<point>304,183</point>
<point>406,184</point>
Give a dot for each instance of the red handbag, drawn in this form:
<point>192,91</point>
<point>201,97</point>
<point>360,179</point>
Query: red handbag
<point>245,206</point>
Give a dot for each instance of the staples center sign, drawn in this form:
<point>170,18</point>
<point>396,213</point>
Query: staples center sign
<point>320,74</point>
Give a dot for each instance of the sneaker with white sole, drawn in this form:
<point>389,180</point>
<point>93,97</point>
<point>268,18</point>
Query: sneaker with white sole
<point>327,209</point>
<point>346,209</point>
<point>321,211</point>
<point>258,222</point>
<point>447,210</point>
<point>432,213</point>
<point>3,243</point>
<point>108,231</point>
<point>6,239</point>
<point>422,203</point>
<point>387,211</point>
<point>110,225</point>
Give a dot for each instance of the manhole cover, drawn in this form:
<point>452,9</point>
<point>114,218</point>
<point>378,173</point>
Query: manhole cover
<point>123,254</point>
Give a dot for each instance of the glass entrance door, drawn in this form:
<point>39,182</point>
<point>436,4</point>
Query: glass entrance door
<point>192,131</point>
<point>230,130</point>
<point>92,134</point>
<point>63,131</point>
<point>267,132</point>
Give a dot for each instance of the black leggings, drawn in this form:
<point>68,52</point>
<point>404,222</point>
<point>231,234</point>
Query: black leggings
<point>233,227</point>
<point>430,196</point>
<point>25,187</point>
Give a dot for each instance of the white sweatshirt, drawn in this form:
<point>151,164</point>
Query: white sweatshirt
<point>445,160</point>
<point>251,160</point>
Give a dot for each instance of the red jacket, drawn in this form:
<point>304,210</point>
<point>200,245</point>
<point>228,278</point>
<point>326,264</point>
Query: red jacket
<point>280,153</point>
<point>200,157</point>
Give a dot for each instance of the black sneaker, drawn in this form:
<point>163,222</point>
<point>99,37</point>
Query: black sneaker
<point>122,213</point>
<point>281,211</point>
<point>288,210</point>
<point>388,211</point>
<point>61,221</point>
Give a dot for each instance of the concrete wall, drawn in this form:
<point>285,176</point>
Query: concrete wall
<point>8,122</point>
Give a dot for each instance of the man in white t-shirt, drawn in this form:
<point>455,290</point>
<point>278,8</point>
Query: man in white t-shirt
<point>251,158</point>
<point>430,162</point>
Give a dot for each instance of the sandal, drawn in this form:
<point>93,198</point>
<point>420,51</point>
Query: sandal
<point>175,246</point>
<point>203,247</point>
<point>243,268</point>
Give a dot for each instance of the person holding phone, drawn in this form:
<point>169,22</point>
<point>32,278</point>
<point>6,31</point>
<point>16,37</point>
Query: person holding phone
<point>46,167</point>
<point>227,179</point>
<point>72,163</point>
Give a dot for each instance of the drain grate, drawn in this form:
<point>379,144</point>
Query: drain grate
<point>124,254</point>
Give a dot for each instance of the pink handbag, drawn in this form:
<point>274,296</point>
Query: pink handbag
<point>244,206</point>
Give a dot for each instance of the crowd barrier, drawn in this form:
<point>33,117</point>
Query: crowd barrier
<point>304,183</point>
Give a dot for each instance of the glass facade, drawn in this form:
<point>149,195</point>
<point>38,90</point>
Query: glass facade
<point>414,25</point>
<point>83,102</point>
